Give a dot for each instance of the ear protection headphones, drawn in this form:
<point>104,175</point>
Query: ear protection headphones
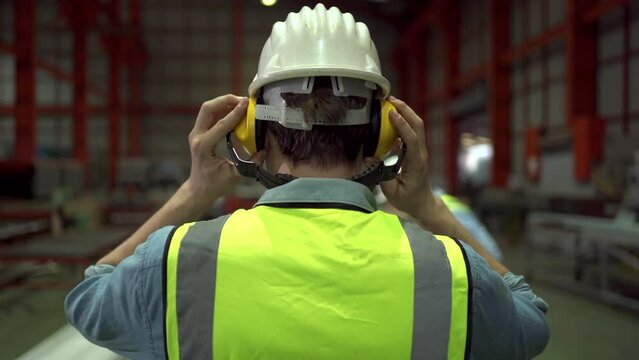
<point>251,133</point>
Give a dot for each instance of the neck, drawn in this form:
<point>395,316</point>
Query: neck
<point>342,172</point>
<point>306,170</point>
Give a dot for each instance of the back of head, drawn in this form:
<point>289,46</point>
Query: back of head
<point>324,146</point>
<point>321,43</point>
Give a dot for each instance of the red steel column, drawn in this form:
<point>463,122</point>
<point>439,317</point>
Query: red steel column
<point>80,104</point>
<point>498,92</point>
<point>422,80</point>
<point>451,68</point>
<point>115,73</point>
<point>135,81</point>
<point>236,6</point>
<point>581,83</point>
<point>580,61</point>
<point>25,81</point>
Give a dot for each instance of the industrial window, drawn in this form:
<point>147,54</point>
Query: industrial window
<point>618,67</point>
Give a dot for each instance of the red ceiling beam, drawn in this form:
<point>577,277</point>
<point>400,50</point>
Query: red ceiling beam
<point>25,81</point>
<point>499,92</point>
<point>533,44</point>
<point>602,9</point>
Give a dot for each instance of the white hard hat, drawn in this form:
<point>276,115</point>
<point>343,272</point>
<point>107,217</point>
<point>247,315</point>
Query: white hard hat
<point>319,42</point>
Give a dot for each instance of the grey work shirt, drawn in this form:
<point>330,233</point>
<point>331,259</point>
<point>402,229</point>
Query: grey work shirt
<point>121,307</point>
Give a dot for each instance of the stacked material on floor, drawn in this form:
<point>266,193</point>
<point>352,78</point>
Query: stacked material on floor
<point>19,229</point>
<point>75,247</point>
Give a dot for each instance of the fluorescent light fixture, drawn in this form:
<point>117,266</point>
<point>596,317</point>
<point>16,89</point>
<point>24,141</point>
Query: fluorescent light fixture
<point>269,2</point>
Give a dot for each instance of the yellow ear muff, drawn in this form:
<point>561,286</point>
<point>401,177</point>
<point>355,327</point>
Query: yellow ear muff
<point>245,129</point>
<point>387,132</point>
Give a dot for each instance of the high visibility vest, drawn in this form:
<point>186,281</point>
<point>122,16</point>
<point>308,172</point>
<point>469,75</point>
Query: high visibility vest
<point>318,283</point>
<point>454,204</point>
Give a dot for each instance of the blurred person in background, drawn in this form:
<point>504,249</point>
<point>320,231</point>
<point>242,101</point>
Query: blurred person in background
<point>462,212</point>
<point>314,270</point>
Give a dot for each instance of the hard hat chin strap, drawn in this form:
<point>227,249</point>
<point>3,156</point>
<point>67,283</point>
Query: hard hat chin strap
<point>369,177</point>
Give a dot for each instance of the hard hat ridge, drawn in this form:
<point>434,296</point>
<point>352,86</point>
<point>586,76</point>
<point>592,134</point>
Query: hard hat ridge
<point>319,42</point>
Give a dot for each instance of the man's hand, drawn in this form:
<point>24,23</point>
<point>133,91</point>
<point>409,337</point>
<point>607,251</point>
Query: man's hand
<point>213,176</point>
<point>410,191</point>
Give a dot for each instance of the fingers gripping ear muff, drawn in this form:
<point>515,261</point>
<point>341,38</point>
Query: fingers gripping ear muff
<point>387,132</point>
<point>245,130</point>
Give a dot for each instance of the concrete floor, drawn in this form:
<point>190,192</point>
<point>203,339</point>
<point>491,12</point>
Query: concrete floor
<point>580,328</point>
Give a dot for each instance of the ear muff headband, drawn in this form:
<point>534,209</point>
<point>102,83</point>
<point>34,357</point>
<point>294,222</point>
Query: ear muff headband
<point>250,133</point>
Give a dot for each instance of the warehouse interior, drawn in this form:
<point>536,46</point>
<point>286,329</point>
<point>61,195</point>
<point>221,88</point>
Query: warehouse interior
<point>531,110</point>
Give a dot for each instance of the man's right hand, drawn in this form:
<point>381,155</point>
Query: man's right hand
<point>410,191</point>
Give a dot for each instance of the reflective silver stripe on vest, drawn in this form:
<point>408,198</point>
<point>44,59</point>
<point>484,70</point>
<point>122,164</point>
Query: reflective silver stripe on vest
<point>197,264</point>
<point>432,295</point>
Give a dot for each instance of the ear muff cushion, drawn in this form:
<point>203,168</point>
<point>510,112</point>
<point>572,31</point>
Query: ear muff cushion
<point>387,132</point>
<point>371,145</point>
<point>245,130</point>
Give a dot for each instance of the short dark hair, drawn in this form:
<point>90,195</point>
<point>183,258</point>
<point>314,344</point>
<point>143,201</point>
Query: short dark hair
<point>323,146</point>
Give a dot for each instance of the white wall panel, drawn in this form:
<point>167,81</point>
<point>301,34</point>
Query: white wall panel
<point>515,23</point>
<point>7,137</point>
<point>6,22</point>
<point>557,175</point>
<point>556,12</point>
<point>535,103</point>
<point>633,77</point>
<point>51,91</point>
<point>534,18</point>
<point>7,79</point>
<point>535,71</point>
<point>516,77</point>
<point>609,90</point>
<point>54,136</point>
<point>166,137</point>
<point>556,64</point>
<point>557,105</point>
<point>610,42</point>
<point>517,155</point>
<point>517,113</point>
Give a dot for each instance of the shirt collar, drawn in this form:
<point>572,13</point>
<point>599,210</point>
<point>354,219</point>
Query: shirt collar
<point>323,192</point>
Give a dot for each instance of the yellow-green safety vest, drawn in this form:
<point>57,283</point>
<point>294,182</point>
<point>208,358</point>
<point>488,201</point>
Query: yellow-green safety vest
<point>314,283</point>
<point>454,204</point>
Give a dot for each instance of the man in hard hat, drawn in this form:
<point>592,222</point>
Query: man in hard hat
<point>313,271</point>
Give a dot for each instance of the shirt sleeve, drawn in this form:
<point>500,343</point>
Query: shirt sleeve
<point>111,306</point>
<point>508,318</point>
